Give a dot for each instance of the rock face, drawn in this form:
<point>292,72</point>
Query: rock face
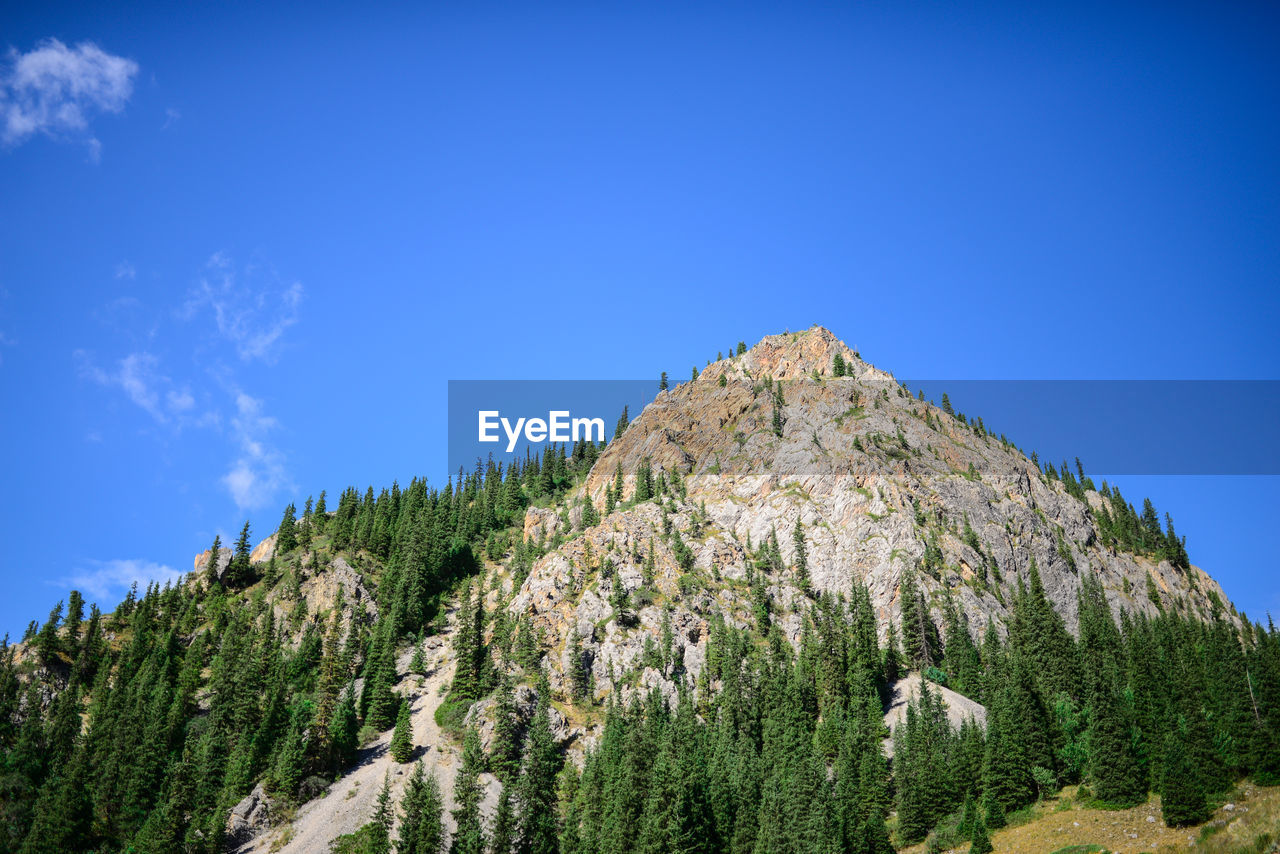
<point>249,818</point>
<point>959,707</point>
<point>874,477</point>
<point>481,716</point>
<point>201,562</point>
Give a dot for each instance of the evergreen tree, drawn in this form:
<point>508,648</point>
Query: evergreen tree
<point>402,739</point>
<point>287,534</point>
<point>1182,797</point>
<point>215,552</point>
<point>467,792</point>
<point>422,828</point>
<point>500,837</point>
<point>379,838</point>
<point>239,572</point>
<point>536,831</point>
<point>75,616</point>
<point>579,675</point>
<point>981,841</point>
<point>802,557</point>
<point>504,758</point>
<point>662,382</point>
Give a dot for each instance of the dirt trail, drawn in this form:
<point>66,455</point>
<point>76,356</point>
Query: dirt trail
<point>350,801</point>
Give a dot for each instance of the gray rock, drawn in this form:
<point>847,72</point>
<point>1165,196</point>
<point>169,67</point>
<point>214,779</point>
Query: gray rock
<point>249,818</point>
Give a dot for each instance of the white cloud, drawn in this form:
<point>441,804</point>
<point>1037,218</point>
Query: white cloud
<point>110,579</point>
<point>54,90</point>
<point>139,377</point>
<point>180,401</point>
<point>171,117</point>
<point>247,307</point>
<point>125,270</point>
<point>251,316</point>
<point>258,473</point>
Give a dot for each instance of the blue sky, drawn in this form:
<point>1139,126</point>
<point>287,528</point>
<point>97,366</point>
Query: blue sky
<point>244,249</point>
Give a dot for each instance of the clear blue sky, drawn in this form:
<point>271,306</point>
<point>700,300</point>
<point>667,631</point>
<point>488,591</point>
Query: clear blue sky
<point>244,249</point>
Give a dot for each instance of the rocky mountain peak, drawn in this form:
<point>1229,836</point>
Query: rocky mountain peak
<point>879,484</point>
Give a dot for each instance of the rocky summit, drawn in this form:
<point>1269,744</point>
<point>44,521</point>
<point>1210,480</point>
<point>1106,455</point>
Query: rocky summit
<point>878,484</point>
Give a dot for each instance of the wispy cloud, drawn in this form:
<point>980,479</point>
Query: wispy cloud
<point>171,117</point>
<point>55,90</point>
<point>258,473</point>
<point>125,270</point>
<point>138,375</point>
<point>250,314</point>
<point>248,307</point>
<point>109,580</point>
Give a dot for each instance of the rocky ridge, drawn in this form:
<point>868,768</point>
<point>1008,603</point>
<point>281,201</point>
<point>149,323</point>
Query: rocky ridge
<point>873,475</point>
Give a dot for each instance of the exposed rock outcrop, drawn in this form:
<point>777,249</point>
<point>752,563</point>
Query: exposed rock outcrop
<point>881,484</point>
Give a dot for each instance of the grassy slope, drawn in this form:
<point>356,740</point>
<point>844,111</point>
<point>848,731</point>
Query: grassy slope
<point>1061,824</point>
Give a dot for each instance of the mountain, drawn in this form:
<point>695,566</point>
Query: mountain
<point>883,485</point>
<point>790,607</point>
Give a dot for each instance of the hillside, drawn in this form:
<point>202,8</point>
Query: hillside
<point>791,607</point>
<point>881,484</point>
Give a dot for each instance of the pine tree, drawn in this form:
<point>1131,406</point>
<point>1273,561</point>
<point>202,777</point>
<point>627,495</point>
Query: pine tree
<point>536,831</point>
<point>500,836</point>
<point>837,365</point>
<point>402,739</point>
<point>504,757</point>
<point>1182,797</point>
<point>379,839</point>
<point>465,644</point>
<point>287,534</point>
<point>802,556</point>
<point>344,730</point>
<point>239,572</point>
<point>48,644</point>
<point>422,826</point>
<point>778,418</point>
<point>981,841</point>
<point>644,481</point>
<point>579,675</point>
<point>215,551</point>
<point>662,382</point>
<point>75,615</point>
<point>467,792</point>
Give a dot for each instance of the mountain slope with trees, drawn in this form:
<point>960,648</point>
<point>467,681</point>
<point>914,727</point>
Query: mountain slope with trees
<point>683,641</point>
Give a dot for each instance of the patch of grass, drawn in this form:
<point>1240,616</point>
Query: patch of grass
<point>1209,830</point>
<point>363,841</point>
<point>450,714</point>
<point>852,412</point>
<point>1088,848</point>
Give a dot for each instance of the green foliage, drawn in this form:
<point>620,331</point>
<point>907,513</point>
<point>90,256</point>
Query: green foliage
<point>469,836</point>
<point>981,842</point>
<point>422,828</point>
<point>1182,796</point>
<point>402,738</point>
<point>137,729</point>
